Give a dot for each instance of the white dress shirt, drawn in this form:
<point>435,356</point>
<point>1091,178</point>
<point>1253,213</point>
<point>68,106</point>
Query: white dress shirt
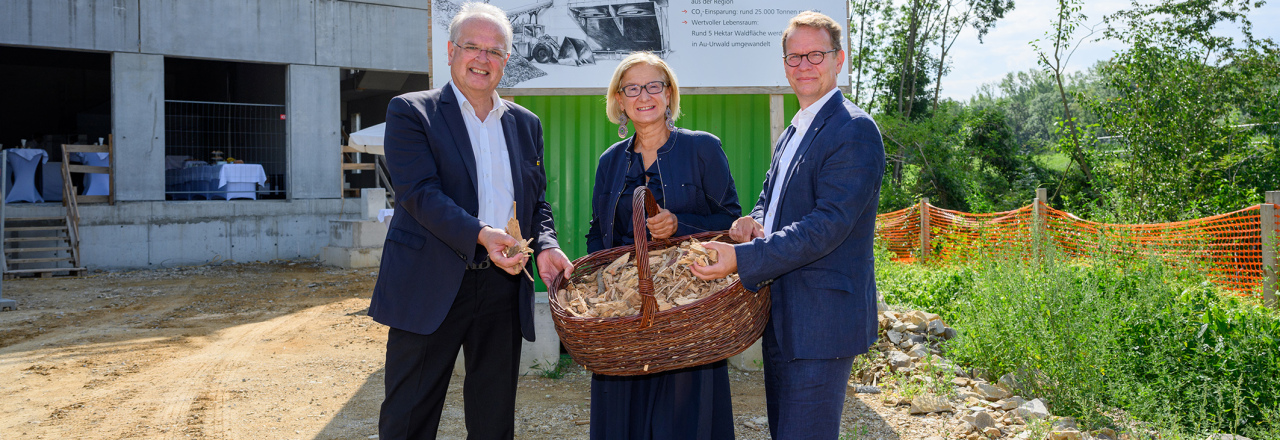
<point>493,167</point>
<point>801,122</point>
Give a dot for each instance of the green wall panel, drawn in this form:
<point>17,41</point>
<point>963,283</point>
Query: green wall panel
<point>576,131</point>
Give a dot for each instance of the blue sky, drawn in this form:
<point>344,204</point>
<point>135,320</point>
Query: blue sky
<point>1006,48</point>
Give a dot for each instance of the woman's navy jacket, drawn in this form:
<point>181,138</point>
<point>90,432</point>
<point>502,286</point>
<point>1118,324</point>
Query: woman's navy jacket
<point>696,186</point>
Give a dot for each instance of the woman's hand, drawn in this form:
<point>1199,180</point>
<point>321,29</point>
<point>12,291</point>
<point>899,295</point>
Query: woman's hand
<point>662,225</point>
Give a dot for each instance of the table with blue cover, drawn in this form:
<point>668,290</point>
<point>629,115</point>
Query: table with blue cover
<point>228,181</point>
<point>95,184</point>
<point>23,162</point>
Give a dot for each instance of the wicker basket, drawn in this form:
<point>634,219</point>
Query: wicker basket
<point>711,329</point>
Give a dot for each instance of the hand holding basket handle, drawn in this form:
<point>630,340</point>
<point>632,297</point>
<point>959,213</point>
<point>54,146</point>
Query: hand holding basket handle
<point>708,330</point>
<point>643,206</point>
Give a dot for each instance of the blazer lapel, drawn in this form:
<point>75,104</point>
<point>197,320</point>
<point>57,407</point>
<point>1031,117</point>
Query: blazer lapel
<point>516,157</point>
<point>452,111</point>
<point>827,110</point>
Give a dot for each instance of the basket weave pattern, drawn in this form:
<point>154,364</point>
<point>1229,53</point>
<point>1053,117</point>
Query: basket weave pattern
<point>711,329</point>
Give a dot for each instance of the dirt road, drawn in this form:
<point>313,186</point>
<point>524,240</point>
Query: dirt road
<point>280,350</point>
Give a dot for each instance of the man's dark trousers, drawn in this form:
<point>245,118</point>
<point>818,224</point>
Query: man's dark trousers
<point>483,321</point>
<point>804,396</point>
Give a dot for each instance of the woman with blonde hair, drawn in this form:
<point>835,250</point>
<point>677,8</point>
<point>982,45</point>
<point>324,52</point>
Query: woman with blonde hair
<point>688,173</point>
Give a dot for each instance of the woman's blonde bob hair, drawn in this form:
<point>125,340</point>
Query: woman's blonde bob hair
<point>614,109</point>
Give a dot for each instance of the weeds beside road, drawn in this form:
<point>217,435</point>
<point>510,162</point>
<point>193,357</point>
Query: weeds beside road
<point>1109,339</point>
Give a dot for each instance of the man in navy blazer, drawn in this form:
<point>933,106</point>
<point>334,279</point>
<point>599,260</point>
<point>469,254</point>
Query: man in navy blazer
<point>458,156</point>
<point>811,236</point>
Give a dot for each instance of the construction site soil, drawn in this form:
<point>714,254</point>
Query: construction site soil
<point>277,350</point>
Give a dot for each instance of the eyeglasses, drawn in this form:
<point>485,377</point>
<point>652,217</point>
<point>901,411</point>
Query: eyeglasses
<point>471,51</point>
<point>653,87</point>
<point>815,57</point>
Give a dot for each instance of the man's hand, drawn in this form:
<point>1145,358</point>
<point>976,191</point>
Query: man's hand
<point>727,264</point>
<point>745,229</point>
<point>496,242</point>
<point>552,262</point>
<point>662,225</point>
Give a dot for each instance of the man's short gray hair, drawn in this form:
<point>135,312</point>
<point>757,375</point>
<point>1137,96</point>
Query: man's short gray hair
<point>482,11</point>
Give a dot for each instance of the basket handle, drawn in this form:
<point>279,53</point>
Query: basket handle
<point>643,206</point>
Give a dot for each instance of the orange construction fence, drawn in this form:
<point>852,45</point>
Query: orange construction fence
<point>1228,247</point>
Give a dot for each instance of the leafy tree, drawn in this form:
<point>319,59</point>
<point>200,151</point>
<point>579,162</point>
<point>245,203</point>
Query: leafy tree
<point>1197,113</point>
<point>897,51</point>
<point>1059,37</point>
<point>960,157</point>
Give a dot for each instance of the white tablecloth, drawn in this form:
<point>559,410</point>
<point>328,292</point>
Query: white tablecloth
<point>230,181</point>
<point>23,162</point>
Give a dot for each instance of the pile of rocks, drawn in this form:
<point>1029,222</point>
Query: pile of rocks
<point>908,362</point>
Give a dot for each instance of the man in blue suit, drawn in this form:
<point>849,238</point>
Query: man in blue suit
<point>458,157</point>
<point>810,236</point>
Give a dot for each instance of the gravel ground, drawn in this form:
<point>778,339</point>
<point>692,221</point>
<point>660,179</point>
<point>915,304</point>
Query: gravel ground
<point>280,349</point>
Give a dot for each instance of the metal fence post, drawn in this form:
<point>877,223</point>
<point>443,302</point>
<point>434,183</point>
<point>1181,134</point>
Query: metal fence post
<point>925,239</point>
<point>1038,216</point>
<point>4,186</point>
<point>1267,218</point>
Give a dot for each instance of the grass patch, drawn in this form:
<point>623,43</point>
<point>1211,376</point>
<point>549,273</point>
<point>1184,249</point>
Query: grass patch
<point>1054,161</point>
<point>1092,336</point>
<point>557,370</point>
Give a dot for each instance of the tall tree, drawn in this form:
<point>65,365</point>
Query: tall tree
<point>984,14</point>
<point>1198,112</point>
<point>1059,37</point>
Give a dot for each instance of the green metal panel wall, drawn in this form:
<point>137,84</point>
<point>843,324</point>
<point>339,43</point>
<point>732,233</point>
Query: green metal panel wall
<point>576,131</point>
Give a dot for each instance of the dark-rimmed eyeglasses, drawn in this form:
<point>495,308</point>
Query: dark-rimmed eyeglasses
<point>815,57</point>
<point>653,87</point>
<point>472,50</point>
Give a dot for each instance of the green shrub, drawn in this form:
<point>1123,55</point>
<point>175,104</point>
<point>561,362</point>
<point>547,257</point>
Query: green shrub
<point>1091,335</point>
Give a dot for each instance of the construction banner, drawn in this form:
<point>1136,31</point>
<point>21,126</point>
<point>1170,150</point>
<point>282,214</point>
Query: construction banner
<point>576,44</point>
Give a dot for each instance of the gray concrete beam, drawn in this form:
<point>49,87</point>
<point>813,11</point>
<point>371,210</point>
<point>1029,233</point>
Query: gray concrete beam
<point>415,4</point>
<point>366,36</point>
<point>314,157</point>
<point>137,124</point>
<point>103,25</point>
<point>271,31</point>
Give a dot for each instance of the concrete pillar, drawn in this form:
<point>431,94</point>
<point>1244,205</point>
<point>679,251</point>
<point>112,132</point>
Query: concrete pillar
<point>312,122</point>
<point>751,359</point>
<point>372,200</point>
<point>137,125</point>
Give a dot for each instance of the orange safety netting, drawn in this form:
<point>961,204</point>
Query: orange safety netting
<point>1227,247</point>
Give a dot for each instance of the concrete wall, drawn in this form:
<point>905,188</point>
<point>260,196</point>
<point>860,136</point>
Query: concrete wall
<point>156,234</point>
<point>280,31</point>
<point>104,25</point>
<point>314,144</point>
<point>356,34</point>
<point>314,38</point>
<point>372,34</point>
<point>137,109</point>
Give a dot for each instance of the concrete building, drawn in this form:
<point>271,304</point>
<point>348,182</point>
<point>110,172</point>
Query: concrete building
<point>270,82</point>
